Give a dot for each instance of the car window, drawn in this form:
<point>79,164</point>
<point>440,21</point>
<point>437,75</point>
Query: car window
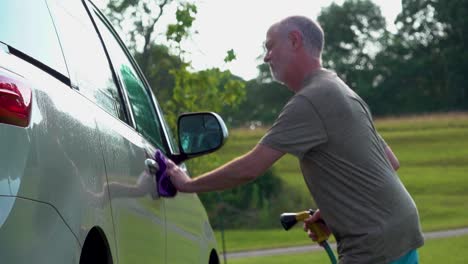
<point>170,136</point>
<point>142,106</point>
<point>26,25</point>
<point>87,62</point>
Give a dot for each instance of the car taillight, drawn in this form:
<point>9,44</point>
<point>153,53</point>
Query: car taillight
<point>15,101</point>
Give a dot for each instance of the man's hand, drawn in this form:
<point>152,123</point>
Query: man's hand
<point>317,219</point>
<point>178,177</point>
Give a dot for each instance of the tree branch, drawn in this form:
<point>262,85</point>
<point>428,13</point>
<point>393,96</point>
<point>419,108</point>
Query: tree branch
<point>148,33</point>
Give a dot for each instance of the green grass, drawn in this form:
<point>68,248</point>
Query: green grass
<point>444,250</point>
<point>433,153</point>
<point>260,239</point>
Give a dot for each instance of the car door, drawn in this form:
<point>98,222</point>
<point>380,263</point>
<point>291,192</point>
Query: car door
<point>137,210</point>
<point>188,234</point>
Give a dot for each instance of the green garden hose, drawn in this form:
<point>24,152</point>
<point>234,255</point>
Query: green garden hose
<point>329,251</point>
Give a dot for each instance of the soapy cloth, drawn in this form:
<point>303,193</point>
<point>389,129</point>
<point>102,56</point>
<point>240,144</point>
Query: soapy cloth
<point>164,185</point>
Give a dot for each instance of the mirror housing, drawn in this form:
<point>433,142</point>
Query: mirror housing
<point>199,133</point>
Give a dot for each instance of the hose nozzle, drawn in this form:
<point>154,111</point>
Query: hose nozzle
<point>288,220</point>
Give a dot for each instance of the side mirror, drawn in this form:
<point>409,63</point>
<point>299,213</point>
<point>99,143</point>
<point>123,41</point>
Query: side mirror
<point>199,133</point>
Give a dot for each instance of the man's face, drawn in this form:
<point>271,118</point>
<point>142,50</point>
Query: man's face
<point>277,54</point>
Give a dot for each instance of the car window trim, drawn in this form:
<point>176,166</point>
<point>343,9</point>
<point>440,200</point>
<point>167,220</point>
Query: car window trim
<point>164,133</point>
<point>54,73</point>
<point>122,94</point>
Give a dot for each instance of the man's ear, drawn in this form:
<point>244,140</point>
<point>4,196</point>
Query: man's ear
<point>296,39</point>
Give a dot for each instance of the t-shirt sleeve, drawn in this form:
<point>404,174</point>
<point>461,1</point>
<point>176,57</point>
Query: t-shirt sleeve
<point>297,130</point>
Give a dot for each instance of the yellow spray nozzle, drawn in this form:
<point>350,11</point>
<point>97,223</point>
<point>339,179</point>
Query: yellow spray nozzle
<point>288,220</point>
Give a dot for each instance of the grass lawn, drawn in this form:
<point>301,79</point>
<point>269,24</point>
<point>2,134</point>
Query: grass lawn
<point>433,152</point>
<point>444,250</point>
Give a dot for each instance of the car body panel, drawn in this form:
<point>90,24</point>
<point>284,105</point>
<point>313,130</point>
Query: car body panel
<point>137,210</point>
<point>188,230</point>
<point>57,159</point>
<point>76,167</point>
<point>37,227</point>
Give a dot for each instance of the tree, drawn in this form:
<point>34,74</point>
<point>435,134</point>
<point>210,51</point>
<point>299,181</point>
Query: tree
<point>263,101</point>
<point>158,73</point>
<point>421,68</point>
<point>434,35</point>
<point>170,76</point>
<point>255,204</point>
<point>208,90</point>
<point>138,18</point>
<point>354,33</point>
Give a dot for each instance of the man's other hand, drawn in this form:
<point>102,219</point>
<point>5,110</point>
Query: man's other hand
<point>317,219</point>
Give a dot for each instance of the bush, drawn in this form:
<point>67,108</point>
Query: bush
<point>257,204</point>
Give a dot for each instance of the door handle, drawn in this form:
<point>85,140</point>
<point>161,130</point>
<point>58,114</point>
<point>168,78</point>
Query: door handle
<point>152,165</point>
<point>153,168</point>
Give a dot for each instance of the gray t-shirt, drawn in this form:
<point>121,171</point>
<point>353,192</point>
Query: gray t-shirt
<point>343,161</point>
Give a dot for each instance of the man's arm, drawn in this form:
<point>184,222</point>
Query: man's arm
<point>392,158</point>
<point>234,173</point>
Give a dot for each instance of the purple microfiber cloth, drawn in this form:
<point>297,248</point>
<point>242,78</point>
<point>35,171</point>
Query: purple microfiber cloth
<point>164,185</point>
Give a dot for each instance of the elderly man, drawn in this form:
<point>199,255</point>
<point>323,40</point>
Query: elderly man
<point>347,166</point>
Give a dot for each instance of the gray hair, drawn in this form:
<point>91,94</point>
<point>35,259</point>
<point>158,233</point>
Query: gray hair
<point>312,33</point>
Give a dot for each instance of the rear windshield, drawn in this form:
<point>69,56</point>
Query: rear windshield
<point>26,25</point>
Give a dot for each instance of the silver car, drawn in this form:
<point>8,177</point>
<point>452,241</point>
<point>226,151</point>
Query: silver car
<point>79,129</point>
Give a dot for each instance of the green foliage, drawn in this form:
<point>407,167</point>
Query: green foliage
<point>353,32</point>
<point>159,74</point>
<point>432,38</point>
<point>419,69</point>
<point>185,16</point>
<point>208,90</point>
<point>250,205</point>
<point>177,88</point>
<point>263,101</point>
<point>139,16</point>
<point>231,55</point>
<point>180,90</point>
